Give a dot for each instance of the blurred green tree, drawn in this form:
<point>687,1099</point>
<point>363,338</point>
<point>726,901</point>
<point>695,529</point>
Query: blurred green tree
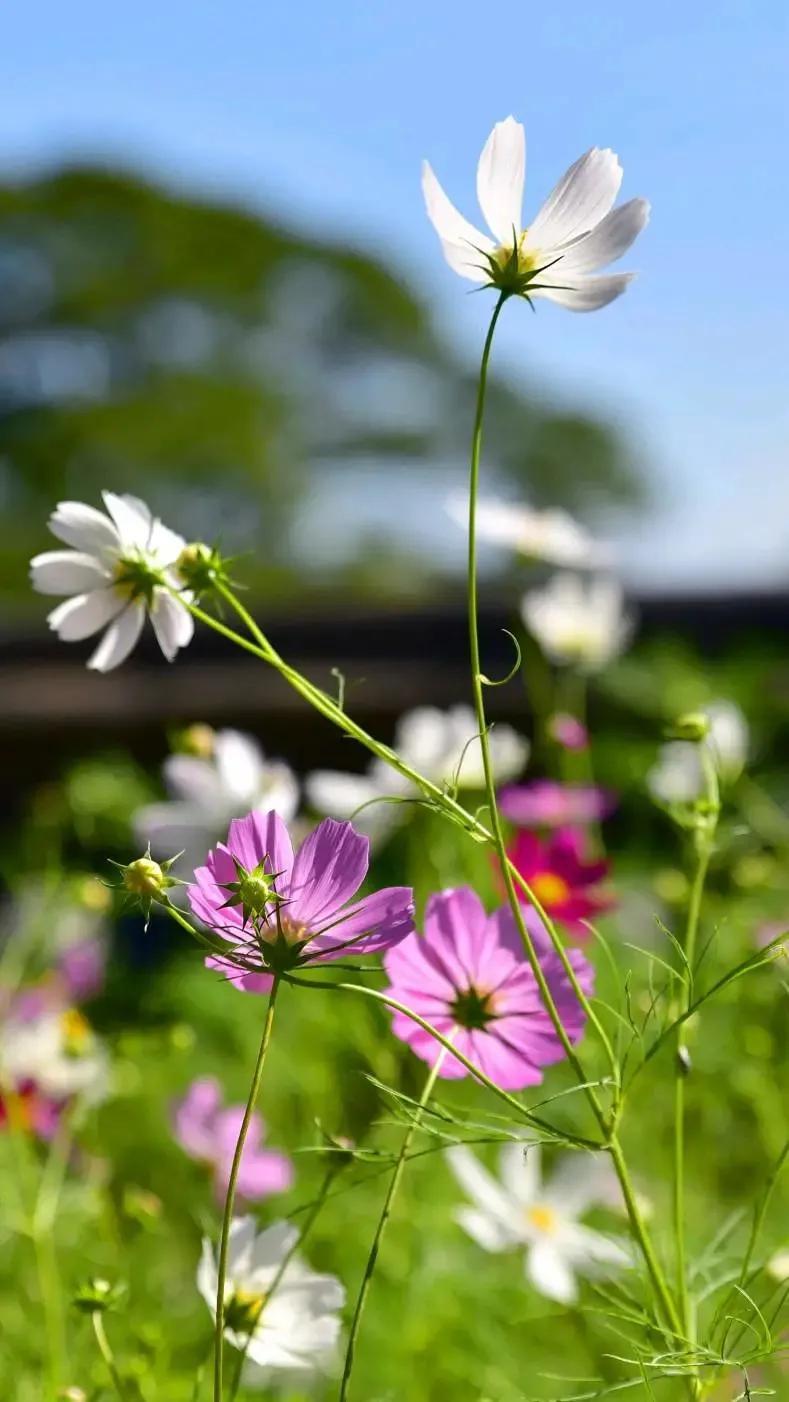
<point>157,343</point>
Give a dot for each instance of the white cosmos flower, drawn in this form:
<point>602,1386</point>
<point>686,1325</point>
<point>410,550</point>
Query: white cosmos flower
<point>110,575</point>
<point>578,623</point>
<point>552,536</point>
<point>520,1211</point>
<point>56,1049</point>
<point>291,1312</point>
<point>233,778</point>
<point>576,231</point>
<point>442,745</point>
<point>678,774</point>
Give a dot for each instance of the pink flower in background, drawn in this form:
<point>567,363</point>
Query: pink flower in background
<point>81,967</point>
<point>26,1109</point>
<point>568,732</point>
<point>545,803</point>
<point>467,975</point>
<point>208,1131</point>
<point>293,909</point>
<point>561,878</point>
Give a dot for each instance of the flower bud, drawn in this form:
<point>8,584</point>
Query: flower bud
<point>97,1295</point>
<point>197,740</point>
<point>693,726</point>
<point>200,567</point>
<point>145,877</point>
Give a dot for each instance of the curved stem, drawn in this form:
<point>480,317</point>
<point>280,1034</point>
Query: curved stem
<point>386,1212</point>
<point>107,1354</point>
<point>219,1334</point>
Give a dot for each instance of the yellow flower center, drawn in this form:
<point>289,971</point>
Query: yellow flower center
<point>526,261</point>
<point>243,1310</point>
<point>543,1218</point>
<point>549,888</point>
<point>76,1031</point>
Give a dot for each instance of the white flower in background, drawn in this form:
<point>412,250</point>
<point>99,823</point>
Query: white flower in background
<point>55,1049</point>
<point>678,774</point>
<point>230,779</point>
<point>580,623</point>
<point>442,745</point>
<point>519,1211</point>
<point>576,232</point>
<point>551,536</point>
<point>292,1328</point>
<point>113,576</point>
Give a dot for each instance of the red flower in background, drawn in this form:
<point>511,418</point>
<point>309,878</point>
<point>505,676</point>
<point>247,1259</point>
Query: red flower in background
<point>561,877</point>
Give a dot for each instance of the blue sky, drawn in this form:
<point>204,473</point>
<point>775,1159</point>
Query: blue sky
<point>322,112</point>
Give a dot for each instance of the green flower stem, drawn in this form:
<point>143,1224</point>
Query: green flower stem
<point>608,1128</point>
<point>107,1354</point>
<point>386,1212</point>
<point>703,854</point>
<point>219,1336</point>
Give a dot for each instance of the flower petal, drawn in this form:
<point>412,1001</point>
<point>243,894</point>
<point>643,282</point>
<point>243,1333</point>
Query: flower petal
<point>519,1166</point>
<point>491,1233</point>
<point>481,1187</point>
<point>132,519</point>
<point>464,246</point>
<point>67,572</point>
<point>608,240</point>
<point>455,929</point>
<point>329,868</point>
<point>583,294</point>
<point>500,177</point>
<point>581,199</point>
<point>550,1273</point>
<point>119,639</point>
<point>172,623</point>
<point>84,527</point>
<point>262,836</point>
<point>376,922</point>
<point>85,614</point>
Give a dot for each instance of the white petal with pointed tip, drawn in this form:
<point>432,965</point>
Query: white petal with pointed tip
<point>67,572</point>
<point>464,246</point>
<point>119,638</point>
<point>500,176</point>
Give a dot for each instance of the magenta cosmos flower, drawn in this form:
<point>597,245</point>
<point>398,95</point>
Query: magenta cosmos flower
<point>468,976</point>
<point>279,911</point>
<point>561,878</point>
<point>545,803</point>
<point>208,1131</point>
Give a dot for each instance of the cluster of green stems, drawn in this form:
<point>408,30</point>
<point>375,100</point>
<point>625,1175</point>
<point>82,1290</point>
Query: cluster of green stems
<point>672,1314</point>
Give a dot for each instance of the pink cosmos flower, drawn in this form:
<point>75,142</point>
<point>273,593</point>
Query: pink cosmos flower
<point>467,975</point>
<point>291,910</point>
<point>561,878</point>
<point>568,732</point>
<point>209,1132</point>
<point>545,803</point>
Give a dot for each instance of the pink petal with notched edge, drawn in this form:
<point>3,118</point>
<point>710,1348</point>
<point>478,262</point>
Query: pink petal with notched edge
<point>376,922</point>
<point>328,870</point>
